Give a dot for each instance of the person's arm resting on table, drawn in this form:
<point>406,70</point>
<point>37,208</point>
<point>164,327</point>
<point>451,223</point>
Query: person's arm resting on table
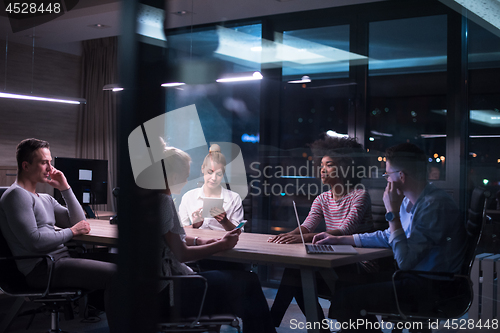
<point>185,253</point>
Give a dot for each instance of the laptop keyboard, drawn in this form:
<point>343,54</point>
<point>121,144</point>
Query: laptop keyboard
<point>320,248</point>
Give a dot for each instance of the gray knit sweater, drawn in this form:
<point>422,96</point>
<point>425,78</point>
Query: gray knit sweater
<point>27,221</point>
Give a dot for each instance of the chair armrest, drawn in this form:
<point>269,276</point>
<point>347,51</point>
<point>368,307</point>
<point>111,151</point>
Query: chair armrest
<point>43,256</point>
<point>191,277</point>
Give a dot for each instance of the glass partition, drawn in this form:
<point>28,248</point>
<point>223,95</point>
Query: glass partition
<point>407,87</point>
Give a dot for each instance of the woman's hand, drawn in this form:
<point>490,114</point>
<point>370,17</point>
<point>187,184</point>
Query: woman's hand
<point>197,218</point>
<point>230,239</point>
<point>218,214</point>
<point>286,238</point>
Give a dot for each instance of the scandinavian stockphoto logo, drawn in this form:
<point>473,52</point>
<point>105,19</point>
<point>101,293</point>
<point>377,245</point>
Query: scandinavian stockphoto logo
<point>28,14</point>
<point>180,128</point>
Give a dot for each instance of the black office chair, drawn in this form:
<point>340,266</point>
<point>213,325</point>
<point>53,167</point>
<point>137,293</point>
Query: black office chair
<point>454,297</point>
<point>173,321</point>
<point>13,283</point>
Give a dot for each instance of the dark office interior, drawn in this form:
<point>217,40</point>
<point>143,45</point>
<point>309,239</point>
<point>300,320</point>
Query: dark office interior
<point>385,72</point>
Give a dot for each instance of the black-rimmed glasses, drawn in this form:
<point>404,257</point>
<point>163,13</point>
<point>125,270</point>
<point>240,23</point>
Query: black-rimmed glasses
<point>387,174</point>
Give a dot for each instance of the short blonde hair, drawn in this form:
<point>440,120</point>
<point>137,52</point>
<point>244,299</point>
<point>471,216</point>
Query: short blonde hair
<point>215,156</point>
<point>176,161</point>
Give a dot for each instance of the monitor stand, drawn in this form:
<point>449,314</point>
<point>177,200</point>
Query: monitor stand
<point>89,211</point>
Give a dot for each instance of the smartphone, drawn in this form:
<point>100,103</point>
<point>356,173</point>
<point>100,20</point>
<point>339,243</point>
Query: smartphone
<point>242,223</point>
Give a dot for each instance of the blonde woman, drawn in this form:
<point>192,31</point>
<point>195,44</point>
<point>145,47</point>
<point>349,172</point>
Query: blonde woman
<point>190,209</point>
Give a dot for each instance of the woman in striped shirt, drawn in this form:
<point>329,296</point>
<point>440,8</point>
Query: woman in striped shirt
<point>345,209</point>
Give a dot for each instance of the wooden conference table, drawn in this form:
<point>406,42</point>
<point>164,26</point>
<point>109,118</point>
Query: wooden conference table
<point>254,248</point>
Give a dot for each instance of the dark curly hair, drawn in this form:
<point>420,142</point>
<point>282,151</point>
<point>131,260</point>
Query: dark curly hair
<point>347,154</point>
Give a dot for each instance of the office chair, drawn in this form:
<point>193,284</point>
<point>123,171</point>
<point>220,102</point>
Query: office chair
<point>442,305</point>
<point>173,321</point>
<point>13,283</point>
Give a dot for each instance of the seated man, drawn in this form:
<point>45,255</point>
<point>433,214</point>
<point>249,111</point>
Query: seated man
<point>424,232</point>
<point>28,220</point>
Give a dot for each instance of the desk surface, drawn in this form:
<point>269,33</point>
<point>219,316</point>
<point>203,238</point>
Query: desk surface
<point>252,248</point>
<point>255,248</point>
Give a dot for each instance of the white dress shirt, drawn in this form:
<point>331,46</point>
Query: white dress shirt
<point>193,200</point>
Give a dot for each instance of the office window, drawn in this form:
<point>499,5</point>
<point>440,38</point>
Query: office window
<point>314,90</point>
<point>229,112</point>
<point>484,107</point>
<point>407,87</point>
<point>317,53</point>
<point>314,99</point>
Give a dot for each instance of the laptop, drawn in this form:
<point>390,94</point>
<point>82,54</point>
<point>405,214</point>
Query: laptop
<point>323,249</point>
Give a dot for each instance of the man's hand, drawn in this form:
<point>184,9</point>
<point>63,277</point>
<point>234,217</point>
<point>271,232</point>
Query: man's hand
<point>231,238</point>
<point>57,180</point>
<point>81,228</point>
<point>286,238</point>
<point>393,197</point>
<point>324,238</point>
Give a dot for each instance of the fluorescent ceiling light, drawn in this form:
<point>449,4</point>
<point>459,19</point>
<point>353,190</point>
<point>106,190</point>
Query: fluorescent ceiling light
<point>336,135</point>
<point>484,136</point>
<point>304,79</point>
<point>172,84</point>
<point>44,98</point>
<point>381,133</point>
<point>237,77</point>
<point>113,87</point>
<point>432,136</point>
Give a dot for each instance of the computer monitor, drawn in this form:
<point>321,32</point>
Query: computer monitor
<point>88,178</point>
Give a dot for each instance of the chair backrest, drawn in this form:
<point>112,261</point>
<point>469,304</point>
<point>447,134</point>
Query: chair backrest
<point>4,248</point>
<point>11,280</point>
<point>474,226</point>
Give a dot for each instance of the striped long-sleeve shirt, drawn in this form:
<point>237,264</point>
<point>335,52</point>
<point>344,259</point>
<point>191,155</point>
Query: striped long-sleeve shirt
<point>350,214</point>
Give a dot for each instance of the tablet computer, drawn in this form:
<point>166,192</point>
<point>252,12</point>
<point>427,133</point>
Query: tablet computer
<point>209,203</point>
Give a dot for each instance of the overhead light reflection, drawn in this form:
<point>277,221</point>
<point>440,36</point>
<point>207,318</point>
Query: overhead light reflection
<point>172,84</point>
<point>336,135</point>
<point>304,79</point>
<point>237,77</point>
<point>43,99</point>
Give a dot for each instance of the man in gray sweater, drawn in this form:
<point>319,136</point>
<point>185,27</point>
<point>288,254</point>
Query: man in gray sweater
<point>28,220</point>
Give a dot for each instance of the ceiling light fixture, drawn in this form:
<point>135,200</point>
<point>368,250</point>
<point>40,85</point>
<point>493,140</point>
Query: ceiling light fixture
<point>172,84</point>
<point>304,79</point>
<point>238,77</point>
<point>113,87</point>
<point>43,98</point>
<point>31,97</point>
<point>334,134</point>
<point>181,12</point>
<point>99,26</point>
